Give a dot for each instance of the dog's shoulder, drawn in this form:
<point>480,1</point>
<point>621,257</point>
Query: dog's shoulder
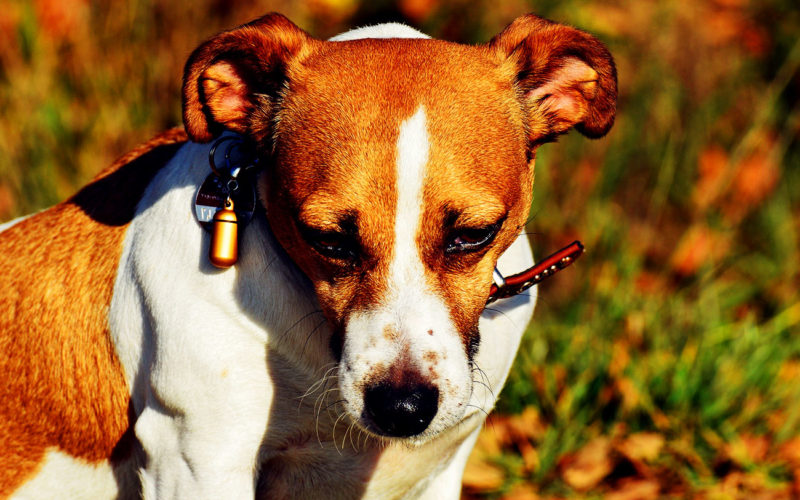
<point>61,385</point>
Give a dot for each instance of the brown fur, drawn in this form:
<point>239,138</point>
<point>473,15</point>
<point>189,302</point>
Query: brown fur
<point>356,163</point>
<point>535,80</point>
<point>62,384</point>
<point>541,49</point>
<point>222,75</point>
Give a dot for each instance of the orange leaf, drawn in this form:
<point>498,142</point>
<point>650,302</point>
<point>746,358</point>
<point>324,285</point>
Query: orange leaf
<point>530,456</point>
<point>521,491</point>
<point>493,437</point>
<point>480,475</point>
<point>790,452</point>
<point>637,489</point>
<point>748,449</point>
<point>62,18</point>
<point>642,446</point>
<point>756,178</point>
<point>527,426</point>
<point>417,10</point>
<point>6,202</point>
<point>789,371</point>
<point>698,246</point>
<point>711,166</point>
<point>620,357</point>
<point>630,394</point>
<point>335,10</point>
<point>586,468</point>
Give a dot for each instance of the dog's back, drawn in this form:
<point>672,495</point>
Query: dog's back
<point>63,391</point>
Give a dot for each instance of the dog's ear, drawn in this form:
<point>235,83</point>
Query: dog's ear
<point>566,77</point>
<point>232,81</point>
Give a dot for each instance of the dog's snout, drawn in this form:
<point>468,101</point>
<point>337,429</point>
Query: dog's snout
<point>401,411</point>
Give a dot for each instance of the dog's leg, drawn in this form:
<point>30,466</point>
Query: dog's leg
<point>206,407</point>
<point>193,354</point>
<point>201,438</point>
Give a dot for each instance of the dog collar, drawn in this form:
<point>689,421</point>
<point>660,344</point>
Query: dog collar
<point>504,287</point>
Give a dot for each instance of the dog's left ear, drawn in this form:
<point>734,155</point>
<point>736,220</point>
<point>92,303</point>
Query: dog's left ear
<point>566,77</point>
<point>232,81</point>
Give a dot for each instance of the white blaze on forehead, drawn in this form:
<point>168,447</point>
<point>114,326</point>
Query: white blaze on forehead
<point>411,323</point>
<point>412,159</point>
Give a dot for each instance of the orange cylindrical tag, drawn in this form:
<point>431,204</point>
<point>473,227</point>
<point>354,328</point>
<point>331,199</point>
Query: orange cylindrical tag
<point>224,249</point>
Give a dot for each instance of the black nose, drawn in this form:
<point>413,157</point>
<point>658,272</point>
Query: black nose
<point>401,411</point>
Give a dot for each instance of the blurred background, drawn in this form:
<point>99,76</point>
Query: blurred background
<point>666,362</point>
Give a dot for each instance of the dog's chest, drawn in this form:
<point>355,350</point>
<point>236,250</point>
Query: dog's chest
<point>311,447</point>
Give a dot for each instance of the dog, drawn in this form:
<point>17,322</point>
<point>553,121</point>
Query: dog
<point>348,353</point>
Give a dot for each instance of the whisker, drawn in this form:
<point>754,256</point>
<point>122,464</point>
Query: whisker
<point>362,432</point>
<point>532,216</point>
<point>498,311</point>
<point>484,376</point>
<point>318,406</point>
<point>333,433</point>
<point>479,408</point>
<point>484,384</point>
<point>316,385</point>
<point>316,429</point>
<point>335,403</point>
<point>311,334</point>
<point>321,401</point>
<point>316,311</point>
<point>349,431</point>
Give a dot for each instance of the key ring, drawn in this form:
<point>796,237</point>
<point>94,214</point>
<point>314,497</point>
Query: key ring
<point>233,164</point>
<point>234,141</point>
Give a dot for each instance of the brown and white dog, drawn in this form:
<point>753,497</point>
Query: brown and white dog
<point>348,353</point>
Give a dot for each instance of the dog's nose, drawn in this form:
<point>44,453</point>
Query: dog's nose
<point>401,411</point>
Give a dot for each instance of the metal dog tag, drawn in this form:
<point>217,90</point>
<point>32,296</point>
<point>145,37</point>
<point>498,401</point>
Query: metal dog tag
<point>212,195</point>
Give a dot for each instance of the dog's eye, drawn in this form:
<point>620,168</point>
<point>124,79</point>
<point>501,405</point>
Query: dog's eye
<point>333,245</point>
<point>471,239</point>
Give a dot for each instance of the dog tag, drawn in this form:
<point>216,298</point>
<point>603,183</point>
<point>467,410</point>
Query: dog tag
<point>224,249</point>
<point>212,195</point>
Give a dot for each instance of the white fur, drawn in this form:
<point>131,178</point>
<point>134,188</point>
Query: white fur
<point>387,30</point>
<point>65,477</point>
<point>193,356</point>
<point>12,222</point>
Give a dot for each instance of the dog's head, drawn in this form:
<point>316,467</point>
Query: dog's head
<point>400,170</point>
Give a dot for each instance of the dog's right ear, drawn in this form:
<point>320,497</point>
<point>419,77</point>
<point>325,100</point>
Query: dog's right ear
<point>566,77</point>
<point>232,81</point>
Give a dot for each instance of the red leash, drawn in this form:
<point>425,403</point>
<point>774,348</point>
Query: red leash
<point>518,283</point>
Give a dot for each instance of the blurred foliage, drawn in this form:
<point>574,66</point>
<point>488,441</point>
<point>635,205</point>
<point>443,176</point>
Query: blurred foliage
<point>665,363</point>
